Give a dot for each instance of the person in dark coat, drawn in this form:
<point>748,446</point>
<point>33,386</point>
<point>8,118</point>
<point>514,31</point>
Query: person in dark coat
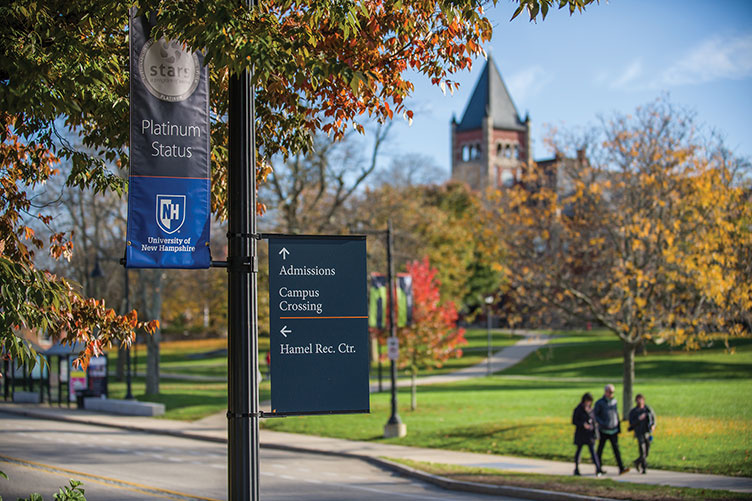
<point>606,412</point>
<point>585,432</point>
<point>642,421</point>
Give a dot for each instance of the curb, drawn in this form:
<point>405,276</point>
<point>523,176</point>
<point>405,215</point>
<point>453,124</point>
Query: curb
<point>478,488</point>
<point>443,482</point>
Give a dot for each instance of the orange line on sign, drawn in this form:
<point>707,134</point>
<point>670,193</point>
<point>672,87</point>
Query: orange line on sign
<point>171,177</point>
<point>288,318</point>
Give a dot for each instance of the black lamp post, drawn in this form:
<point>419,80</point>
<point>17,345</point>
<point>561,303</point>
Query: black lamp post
<point>97,271</point>
<point>126,290</point>
<point>95,274</point>
<point>394,426</point>
<point>489,301</point>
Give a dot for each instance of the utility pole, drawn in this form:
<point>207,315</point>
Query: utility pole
<point>242,269</point>
<point>128,380</point>
<point>394,427</point>
<point>489,302</point>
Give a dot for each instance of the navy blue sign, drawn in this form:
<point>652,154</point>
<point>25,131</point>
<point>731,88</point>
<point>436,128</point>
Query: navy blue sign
<point>169,185</point>
<point>318,324</point>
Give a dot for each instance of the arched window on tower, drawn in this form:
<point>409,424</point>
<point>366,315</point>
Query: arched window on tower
<point>506,179</point>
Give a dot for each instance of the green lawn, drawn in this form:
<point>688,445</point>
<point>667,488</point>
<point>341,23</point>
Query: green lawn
<point>474,352</point>
<point>200,358</point>
<point>188,400</point>
<point>184,400</point>
<point>598,355</point>
<point>702,401</point>
<point>603,487</point>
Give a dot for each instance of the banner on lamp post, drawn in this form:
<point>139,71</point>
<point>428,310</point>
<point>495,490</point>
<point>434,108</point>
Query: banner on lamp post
<point>169,183</point>
<point>377,302</point>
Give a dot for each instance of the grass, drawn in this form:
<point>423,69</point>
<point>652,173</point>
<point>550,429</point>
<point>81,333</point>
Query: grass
<point>182,357</point>
<point>184,400</point>
<point>704,424</point>
<point>585,486</point>
<point>474,352</point>
<point>701,398</point>
<point>598,355</point>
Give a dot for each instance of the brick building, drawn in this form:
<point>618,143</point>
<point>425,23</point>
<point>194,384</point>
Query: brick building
<point>491,143</point>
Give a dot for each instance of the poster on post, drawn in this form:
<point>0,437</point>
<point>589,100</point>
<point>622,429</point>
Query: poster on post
<point>169,182</point>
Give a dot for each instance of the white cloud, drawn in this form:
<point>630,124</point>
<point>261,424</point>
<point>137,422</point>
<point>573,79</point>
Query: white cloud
<point>526,83</point>
<point>629,75</point>
<point>714,59</point>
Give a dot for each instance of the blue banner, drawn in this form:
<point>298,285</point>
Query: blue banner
<point>169,188</point>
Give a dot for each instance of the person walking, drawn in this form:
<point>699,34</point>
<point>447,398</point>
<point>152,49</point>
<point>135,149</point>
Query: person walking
<point>585,433</point>
<point>642,421</point>
<point>606,412</point>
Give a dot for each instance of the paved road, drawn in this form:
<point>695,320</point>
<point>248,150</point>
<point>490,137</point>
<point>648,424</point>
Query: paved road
<point>41,455</point>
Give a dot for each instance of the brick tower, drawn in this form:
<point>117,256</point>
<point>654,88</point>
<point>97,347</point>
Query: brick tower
<point>490,145</point>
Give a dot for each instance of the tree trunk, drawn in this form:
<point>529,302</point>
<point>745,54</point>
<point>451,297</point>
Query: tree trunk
<point>413,388</point>
<point>120,368</point>
<point>152,363</point>
<point>628,380</point>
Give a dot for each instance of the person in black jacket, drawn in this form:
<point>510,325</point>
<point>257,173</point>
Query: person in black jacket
<point>585,432</point>
<point>642,421</point>
<point>606,412</point>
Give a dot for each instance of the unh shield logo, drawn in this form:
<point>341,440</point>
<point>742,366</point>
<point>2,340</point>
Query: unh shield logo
<point>170,212</point>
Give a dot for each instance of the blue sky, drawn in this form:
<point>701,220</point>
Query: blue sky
<point>567,71</point>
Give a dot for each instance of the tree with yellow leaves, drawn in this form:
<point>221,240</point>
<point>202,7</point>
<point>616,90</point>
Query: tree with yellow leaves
<point>649,234</point>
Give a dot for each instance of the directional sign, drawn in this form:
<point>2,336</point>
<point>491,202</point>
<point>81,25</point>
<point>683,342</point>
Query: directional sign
<point>318,324</point>
<point>392,348</point>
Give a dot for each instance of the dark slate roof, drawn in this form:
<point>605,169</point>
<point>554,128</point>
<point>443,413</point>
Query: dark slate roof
<point>490,97</point>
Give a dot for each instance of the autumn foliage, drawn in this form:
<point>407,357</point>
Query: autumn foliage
<point>648,235</point>
<point>433,337</point>
<point>33,299</point>
<point>319,66</point>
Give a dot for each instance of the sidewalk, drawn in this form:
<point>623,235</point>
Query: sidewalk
<point>213,428</point>
<point>499,361</point>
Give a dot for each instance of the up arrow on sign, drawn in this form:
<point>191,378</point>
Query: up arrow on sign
<point>318,305</point>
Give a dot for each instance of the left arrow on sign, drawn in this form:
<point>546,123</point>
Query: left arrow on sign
<point>285,331</point>
<point>284,253</point>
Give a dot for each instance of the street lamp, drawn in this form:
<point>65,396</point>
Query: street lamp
<point>489,302</point>
<point>394,426</point>
<point>126,293</point>
<point>95,274</point>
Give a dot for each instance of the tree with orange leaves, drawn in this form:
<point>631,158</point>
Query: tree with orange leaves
<point>433,336</point>
<point>319,66</point>
<point>648,235</point>
<point>35,299</point>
